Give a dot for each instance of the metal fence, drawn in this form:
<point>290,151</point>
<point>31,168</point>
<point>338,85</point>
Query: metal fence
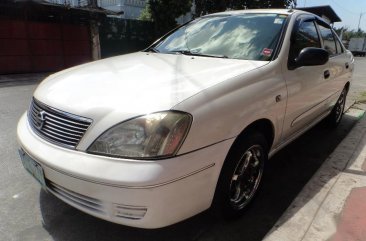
<point>72,3</point>
<point>120,36</point>
<point>99,3</point>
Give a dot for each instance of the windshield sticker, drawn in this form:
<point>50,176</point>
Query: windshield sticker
<point>278,21</point>
<point>267,52</point>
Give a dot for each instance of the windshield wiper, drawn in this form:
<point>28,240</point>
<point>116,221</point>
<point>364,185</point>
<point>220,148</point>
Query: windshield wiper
<point>187,52</point>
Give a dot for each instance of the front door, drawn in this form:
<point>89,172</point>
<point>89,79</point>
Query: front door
<point>307,93</point>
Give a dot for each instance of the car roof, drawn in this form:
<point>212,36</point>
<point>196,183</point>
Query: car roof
<point>268,11</point>
<point>271,10</point>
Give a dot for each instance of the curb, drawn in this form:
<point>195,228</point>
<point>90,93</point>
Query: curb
<point>311,206</point>
<point>31,77</point>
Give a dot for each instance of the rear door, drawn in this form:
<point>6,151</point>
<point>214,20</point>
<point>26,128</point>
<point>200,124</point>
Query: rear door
<point>340,62</point>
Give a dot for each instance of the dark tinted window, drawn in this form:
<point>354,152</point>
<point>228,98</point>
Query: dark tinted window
<point>328,39</point>
<point>306,36</point>
<point>339,45</point>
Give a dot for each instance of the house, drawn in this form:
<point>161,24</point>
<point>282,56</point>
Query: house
<point>129,9</point>
<point>326,12</point>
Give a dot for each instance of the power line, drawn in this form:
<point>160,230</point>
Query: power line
<point>336,3</point>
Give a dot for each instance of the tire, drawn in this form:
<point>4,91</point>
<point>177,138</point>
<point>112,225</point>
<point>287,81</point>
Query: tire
<point>336,114</point>
<point>240,176</point>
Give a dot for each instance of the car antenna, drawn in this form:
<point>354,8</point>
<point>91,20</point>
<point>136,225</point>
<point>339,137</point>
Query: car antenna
<point>291,8</point>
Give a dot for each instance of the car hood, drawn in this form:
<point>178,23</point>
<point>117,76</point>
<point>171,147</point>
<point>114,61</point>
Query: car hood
<point>135,84</point>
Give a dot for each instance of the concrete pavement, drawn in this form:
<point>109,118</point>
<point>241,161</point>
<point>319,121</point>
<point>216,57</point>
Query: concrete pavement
<point>22,78</point>
<point>332,205</point>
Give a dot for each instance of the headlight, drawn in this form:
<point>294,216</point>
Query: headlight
<point>150,136</point>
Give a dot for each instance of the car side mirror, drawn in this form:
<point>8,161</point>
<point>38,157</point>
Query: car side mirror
<point>311,57</point>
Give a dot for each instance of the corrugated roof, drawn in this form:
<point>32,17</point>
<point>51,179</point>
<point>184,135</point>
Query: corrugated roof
<point>325,10</point>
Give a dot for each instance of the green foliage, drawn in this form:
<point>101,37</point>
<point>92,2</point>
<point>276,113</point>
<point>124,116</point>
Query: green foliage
<point>251,4</point>
<point>164,12</point>
<point>350,33</point>
<point>210,6</point>
<point>146,14</point>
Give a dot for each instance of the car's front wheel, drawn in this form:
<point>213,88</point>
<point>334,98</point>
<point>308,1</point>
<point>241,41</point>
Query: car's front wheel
<point>241,175</point>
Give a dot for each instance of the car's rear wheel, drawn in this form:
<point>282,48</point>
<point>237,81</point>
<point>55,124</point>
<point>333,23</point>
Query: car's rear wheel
<point>241,175</point>
<point>336,115</point>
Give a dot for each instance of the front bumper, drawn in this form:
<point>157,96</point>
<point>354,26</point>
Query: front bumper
<point>145,194</point>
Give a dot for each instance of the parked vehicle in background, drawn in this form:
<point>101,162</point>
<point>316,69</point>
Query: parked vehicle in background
<point>151,138</point>
<point>357,46</point>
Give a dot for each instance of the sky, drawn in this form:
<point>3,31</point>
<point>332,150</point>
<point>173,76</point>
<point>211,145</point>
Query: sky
<point>348,10</point>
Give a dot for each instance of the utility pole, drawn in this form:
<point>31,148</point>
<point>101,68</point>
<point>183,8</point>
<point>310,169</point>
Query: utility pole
<point>94,32</point>
<point>359,21</point>
<point>94,3</point>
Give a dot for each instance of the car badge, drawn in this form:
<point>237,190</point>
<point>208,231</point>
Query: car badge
<point>42,118</point>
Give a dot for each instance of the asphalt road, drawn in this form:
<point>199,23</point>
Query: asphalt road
<point>28,213</point>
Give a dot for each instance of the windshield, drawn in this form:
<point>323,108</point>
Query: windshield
<point>252,36</point>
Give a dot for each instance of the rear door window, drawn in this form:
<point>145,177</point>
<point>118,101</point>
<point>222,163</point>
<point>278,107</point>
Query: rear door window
<point>328,40</point>
<point>339,45</point>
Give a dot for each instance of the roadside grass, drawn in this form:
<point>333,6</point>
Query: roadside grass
<point>361,98</point>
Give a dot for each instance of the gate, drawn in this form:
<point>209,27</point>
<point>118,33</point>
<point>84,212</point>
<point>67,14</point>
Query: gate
<point>29,46</point>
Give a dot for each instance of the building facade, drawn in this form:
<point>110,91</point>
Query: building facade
<point>129,9</point>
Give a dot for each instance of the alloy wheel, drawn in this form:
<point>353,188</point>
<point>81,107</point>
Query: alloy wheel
<point>246,177</point>
<point>340,107</point>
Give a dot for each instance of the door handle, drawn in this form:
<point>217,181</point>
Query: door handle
<point>326,74</point>
<point>347,65</point>
<point>278,98</point>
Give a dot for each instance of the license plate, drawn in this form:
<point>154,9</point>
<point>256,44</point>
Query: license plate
<point>32,167</point>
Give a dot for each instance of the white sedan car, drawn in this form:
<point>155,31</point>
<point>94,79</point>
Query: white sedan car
<point>152,138</point>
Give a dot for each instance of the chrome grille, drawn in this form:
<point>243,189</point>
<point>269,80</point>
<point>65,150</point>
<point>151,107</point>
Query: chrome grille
<point>56,126</point>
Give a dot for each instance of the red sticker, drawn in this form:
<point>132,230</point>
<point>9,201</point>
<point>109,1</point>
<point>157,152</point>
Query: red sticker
<point>267,52</point>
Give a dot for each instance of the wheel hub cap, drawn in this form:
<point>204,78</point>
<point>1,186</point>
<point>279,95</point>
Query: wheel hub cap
<point>340,107</point>
<point>246,177</point>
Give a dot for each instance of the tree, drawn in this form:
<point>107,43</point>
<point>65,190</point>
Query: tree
<point>349,33</point>
<point>251,4</point>
<point>164,12</point>
<point>146,13</point>
<point>210,6</point>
